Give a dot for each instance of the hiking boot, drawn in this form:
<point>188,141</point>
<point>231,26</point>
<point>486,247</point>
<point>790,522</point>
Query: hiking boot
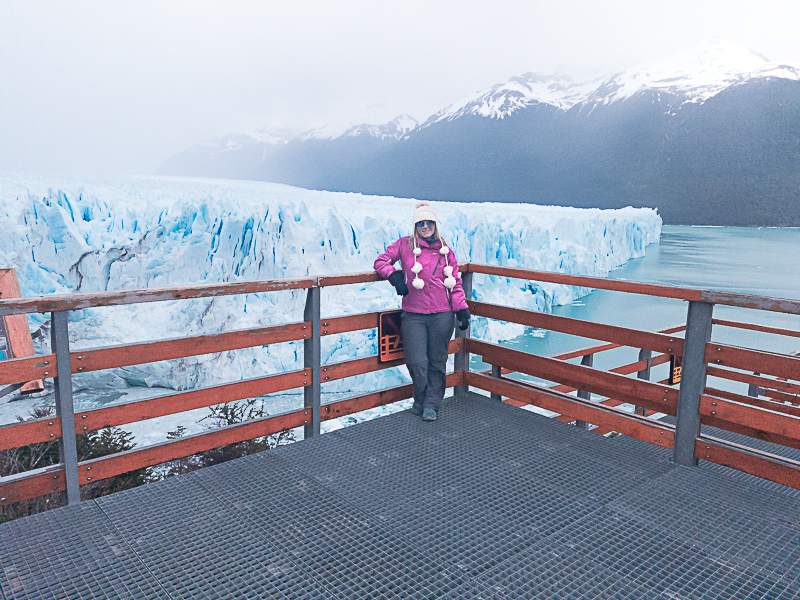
<point>416,409</point>
<point>428,414</point>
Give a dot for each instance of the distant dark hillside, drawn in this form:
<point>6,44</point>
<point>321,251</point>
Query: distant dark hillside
<point>733,160</point>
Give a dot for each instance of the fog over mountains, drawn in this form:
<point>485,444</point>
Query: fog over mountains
<point>711,136</point>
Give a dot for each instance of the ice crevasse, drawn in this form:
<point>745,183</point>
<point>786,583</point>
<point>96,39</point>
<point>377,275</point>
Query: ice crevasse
<point>66,235</point>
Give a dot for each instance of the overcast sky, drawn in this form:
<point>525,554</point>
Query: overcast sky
<point>112,87</point>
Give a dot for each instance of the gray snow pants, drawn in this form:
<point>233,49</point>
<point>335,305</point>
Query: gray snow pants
<point>425,341</point>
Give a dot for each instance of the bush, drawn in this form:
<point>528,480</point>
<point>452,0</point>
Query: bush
<point>223,415</point>
<point>95,444</point>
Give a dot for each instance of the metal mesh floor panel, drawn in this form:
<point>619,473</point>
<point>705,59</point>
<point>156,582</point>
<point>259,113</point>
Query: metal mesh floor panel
<point>72,552</point>
<point>349,553</point>
<point>198,548</point>
<point>488,502</point>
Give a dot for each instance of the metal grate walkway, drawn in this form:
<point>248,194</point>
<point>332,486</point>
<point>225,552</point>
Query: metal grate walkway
<point>489,502</point>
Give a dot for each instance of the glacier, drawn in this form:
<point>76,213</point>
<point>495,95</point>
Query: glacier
<point>67,234</point>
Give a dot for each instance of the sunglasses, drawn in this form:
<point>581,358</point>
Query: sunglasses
<point>426,223</point>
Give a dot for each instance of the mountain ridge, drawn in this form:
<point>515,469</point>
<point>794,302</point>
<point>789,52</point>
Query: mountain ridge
<point>544,139</point>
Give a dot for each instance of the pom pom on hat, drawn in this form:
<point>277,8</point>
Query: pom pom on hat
<point>424,212</point>
<point>418,283</point>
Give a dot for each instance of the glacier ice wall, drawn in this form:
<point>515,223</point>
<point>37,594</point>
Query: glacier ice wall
<point>66,235</point>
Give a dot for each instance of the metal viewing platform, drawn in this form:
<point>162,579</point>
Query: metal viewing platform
<point>490,501</point>
<point>633,489</point>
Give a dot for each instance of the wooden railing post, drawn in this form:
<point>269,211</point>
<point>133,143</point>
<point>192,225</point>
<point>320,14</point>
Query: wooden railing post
<point>644,374</point>
<point>461,360</point>
<point>693,382</point>
<point>312,359</point>
<point>586,361</point>
<point>67,445</point>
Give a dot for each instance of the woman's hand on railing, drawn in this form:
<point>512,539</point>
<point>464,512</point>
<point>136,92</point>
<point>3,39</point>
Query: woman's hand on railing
<point>398,280</point>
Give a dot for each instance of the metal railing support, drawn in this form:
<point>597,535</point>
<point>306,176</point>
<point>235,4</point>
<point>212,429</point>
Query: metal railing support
<point>496,371</point>
<point>68,444</point>
<point>754,390</point>
<point>312,360</point>
<point>586,361</point>
<point>461,360</point>
<point>693,381</point>
<point>644,374</point>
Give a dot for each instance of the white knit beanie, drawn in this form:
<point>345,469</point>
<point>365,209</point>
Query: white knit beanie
<point>424,212</point>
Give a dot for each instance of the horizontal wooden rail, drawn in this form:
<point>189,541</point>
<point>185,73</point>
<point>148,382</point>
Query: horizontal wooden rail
<point>657,342</point>
<point>602,348</point>
<point>633,391</point>
<point>763,382</point>
<point>590,350</point>
<point>77,301</point>
<point>648,430</point>
<point>32,484</point>
<point>134,354</point>
<point>783,305</point>
<point>347,278</point>
<point>761,464</point>
<point>20,370</point>
<point>141,410</point>
<point>782,397</point>
<point>349,323</point>
<point>787,409</point>
<point>360,366</point>
<point>22,433</point>
<point>754,327</point>
<point>760,423</point>
<point>628,369</point>
<point>778,365</point>
<point>601,430</point>
<point>623,370</point>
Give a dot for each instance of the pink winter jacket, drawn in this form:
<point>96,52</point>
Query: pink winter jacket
<point>433,297</point>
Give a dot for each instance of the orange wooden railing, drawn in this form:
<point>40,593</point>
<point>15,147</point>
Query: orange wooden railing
<point>772,416</point>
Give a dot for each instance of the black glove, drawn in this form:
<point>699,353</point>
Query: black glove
<point>398,280</point>
<point>463,318</point>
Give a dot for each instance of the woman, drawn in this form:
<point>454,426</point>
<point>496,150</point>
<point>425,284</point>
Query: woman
<point>429,302</point>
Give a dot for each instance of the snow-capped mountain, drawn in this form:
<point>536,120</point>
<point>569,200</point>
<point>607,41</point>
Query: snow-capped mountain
<point>503,99</point>
<point>396,129</point>
<point>694,75</point>
<point>709,136</point>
